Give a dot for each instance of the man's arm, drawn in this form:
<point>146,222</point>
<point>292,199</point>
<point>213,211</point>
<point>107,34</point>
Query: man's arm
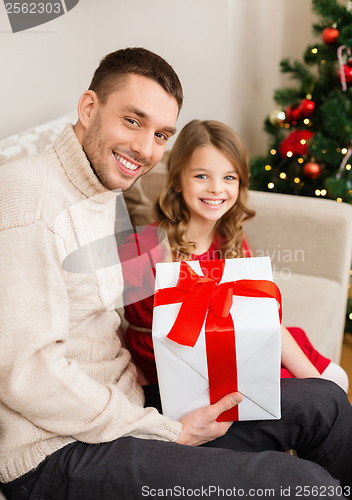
<point>39,380</point>
<point>42,384</point>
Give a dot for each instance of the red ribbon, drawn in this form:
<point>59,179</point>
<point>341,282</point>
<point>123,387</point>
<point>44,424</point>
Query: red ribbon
<point>199,295</point>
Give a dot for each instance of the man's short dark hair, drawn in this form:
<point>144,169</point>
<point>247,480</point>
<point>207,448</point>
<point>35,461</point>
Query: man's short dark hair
<point>114,67</point>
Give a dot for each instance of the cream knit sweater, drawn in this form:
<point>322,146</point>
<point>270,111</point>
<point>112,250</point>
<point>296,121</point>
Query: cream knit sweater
<point>63,374</point>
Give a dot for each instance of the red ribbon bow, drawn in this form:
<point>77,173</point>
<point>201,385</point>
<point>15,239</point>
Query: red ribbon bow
<point>199,295</point>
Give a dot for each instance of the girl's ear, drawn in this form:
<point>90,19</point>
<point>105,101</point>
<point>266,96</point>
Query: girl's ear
<point>87,106</point>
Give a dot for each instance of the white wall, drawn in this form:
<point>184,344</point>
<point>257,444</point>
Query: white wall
<point>226,53</point>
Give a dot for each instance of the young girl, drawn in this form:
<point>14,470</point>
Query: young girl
<point>202,209</point>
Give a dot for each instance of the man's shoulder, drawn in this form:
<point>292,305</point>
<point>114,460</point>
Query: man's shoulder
<point>23,188</point>
<point>24,167</point>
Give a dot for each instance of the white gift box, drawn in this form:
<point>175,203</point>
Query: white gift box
<point>183,370</point>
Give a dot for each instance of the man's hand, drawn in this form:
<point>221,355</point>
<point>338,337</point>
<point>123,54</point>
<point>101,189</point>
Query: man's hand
<point>200,426</point>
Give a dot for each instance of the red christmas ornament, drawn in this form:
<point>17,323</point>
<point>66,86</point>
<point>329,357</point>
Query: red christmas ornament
<point>312,170</point>
<point>306,108</point>
<point>330,35</point>
<point>296,143</point>
<point>292,114</point>
<point>347,68</point>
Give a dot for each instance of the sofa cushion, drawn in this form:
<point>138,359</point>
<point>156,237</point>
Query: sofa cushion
<point>34,140</point>
<point>309,302</point>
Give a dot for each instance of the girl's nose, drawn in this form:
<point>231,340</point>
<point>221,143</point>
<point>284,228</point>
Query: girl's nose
<point>215,186</point>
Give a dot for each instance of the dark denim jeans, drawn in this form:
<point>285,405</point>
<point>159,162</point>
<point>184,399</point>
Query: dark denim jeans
<point>248,461</point>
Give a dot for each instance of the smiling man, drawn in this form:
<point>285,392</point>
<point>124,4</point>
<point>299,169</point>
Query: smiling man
<point>74,422</point>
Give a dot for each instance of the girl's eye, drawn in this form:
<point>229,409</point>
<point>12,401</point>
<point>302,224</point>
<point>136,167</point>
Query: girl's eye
<point>231,178</point>
<point>201,176</point>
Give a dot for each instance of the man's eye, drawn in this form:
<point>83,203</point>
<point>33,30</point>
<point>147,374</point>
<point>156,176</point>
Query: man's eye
<point>132,121</point>
<point>161,136</point>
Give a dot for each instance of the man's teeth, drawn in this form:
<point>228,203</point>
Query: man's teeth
<point>212,202</point>
<point>125,163</point>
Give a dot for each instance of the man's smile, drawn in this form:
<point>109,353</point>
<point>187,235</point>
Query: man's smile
<point>127,166</point>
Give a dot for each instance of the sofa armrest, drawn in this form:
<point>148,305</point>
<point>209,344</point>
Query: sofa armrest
<point>305,235</point>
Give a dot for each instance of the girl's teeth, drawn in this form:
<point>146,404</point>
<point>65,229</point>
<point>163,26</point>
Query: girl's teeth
<point>125,163</point>
<point>212,202</point>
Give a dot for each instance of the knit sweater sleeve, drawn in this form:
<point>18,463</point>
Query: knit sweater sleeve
<point>38,381</point>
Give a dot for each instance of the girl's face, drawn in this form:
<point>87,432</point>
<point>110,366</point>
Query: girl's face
<point>209,185</point>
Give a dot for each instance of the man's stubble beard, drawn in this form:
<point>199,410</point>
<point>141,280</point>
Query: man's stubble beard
<point>89,140</point>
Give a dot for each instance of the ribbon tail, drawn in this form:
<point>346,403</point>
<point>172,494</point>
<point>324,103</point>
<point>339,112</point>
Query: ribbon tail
<point>222,362</point>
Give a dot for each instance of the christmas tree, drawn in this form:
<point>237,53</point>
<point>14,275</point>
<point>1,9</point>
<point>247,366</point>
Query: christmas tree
<point>310,129</point>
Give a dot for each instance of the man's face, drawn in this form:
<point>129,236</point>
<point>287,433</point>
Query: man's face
<point>127,135</point>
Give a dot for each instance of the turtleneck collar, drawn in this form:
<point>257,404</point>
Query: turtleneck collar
<point>76,164</point>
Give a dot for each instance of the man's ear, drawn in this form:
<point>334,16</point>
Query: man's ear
<point>87,106</point>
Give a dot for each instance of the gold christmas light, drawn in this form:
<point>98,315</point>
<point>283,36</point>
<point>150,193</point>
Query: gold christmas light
<point>317,192</point>
<point>271,185</point>
<point>314,50</point>
<point>348,166</point>
<point>283,175</point>
<point>297,180</point>
<point>323,192</point>
<point>300,160</point>
<point>289,154</point>
<point>273,151</point>
<point>339,200</point>
<point>268,167</point>
<point>344,151</point>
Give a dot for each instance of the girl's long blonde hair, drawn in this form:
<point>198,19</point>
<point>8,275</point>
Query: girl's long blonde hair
<point>171,211</point>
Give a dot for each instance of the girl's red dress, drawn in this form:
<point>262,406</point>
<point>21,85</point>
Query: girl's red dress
<point>139,277</point>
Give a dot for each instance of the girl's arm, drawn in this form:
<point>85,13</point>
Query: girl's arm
<point>294,359</point>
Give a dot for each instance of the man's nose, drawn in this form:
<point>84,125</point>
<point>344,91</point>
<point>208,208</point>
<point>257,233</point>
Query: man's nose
<point>144,144</point>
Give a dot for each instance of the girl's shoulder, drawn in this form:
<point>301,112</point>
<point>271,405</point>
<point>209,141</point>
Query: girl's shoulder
<point>142,238</point>
<point>246,249</point>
